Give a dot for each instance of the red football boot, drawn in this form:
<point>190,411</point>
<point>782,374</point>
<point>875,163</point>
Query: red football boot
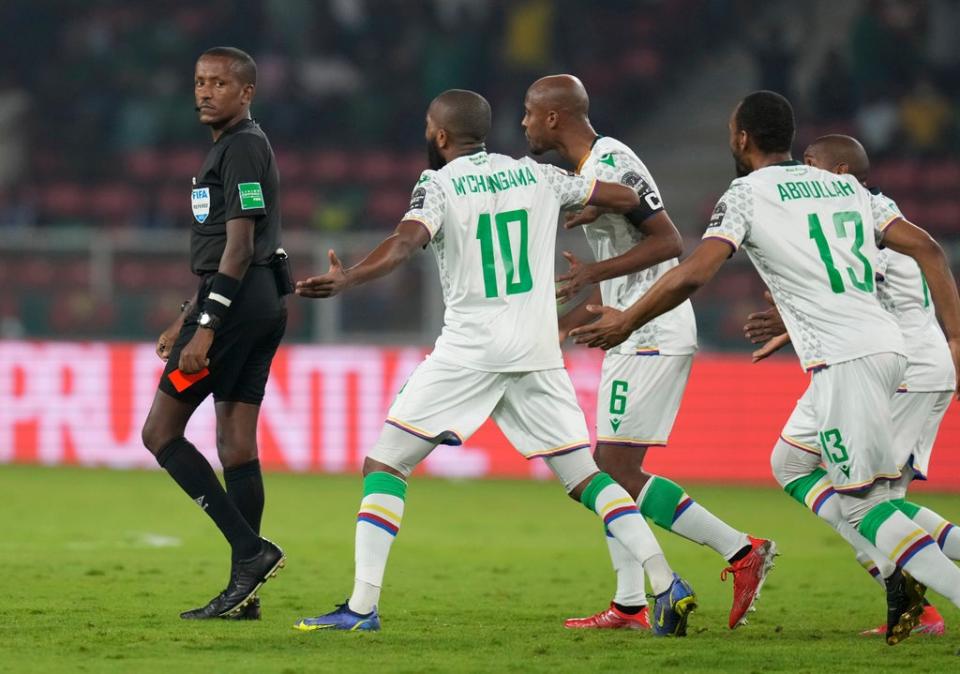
<point>931,622</point>
<point>611,619</point>
<point>749,572</point>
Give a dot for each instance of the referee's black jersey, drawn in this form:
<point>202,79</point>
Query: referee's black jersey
<point>238,179</point>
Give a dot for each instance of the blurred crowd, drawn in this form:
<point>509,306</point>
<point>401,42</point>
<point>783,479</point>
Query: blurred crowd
<point>96,98</point>
<point>893,79</point>
<point>98,128</point>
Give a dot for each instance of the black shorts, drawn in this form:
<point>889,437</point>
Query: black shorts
<point>243,347</point>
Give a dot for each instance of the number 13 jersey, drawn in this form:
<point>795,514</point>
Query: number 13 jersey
<point>492,221</point>
<point>812,235</point>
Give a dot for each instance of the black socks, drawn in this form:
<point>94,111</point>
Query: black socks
<point>628,610</point>
<point>741,553</point>
<point>245,489</point>
<point>195,476</point>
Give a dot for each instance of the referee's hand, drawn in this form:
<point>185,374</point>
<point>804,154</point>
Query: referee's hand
<point>167,339</point>
<point>193,357</point>
<point>328,284</point>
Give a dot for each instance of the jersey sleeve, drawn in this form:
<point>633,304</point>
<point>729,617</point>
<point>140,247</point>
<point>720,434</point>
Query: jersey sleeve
<point>571,190</point>
<point>884,212</point>
<point>618,167</point>
<point>243,171</point>
<point>732,216</point>
<point>428,203</point>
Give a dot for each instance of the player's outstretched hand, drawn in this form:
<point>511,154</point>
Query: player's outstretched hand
<point>576,279</point>
<point>762,326</point>
<point>327,285</point>
<point>606,332</point>
<point>583,217</point>
<point>772,345</point>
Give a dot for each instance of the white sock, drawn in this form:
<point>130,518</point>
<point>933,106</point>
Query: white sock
<point>873,560</point>
<point>911,548</point>
<point>668,505</point>
<point>630,578</point>
<point>378,523</point>
<point>946,535</point>
<point>866,561</point>
<point>622,519</point>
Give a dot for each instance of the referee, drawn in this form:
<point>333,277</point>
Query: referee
<point>226,336</point>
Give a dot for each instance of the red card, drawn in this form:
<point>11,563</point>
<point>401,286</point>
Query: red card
<point>182,381</point>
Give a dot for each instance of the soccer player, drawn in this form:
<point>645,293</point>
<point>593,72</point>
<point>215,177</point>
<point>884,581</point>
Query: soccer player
<point>643,379</point>
<point>811,235</point>
<point>918,406</point>
<point>491,221</point>
<point>226,336</point>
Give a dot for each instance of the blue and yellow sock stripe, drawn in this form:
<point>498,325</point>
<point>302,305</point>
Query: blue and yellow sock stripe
<point>910,546</point>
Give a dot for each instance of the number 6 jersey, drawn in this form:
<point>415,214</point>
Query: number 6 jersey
<point>492,221</point>
<point>813,235</point>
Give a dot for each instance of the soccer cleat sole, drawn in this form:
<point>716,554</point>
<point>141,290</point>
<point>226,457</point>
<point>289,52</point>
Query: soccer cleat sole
<point>272,573</point>
<point>684,608</point>
<point>910,619</point>
<point>768,564</point>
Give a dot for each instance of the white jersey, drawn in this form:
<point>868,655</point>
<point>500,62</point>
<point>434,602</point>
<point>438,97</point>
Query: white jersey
<point>675,332</point>
<point>903,292</point>
<point>492,221</point>
<point>812,235</point>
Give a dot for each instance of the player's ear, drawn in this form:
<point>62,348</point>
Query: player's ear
<point>841,169</point>
<point>553,118</point>
<point>741,139</point>
<point>442,139</point>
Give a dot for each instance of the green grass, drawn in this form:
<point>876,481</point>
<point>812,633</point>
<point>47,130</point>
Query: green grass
<point>481,577</point>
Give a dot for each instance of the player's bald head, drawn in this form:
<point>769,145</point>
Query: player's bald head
<point>555,107</point>
<point>840,154</point>
<point>464,115</point>
<point>560,93</point>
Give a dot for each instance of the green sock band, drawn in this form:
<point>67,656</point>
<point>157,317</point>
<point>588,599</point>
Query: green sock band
<point>907,508</point>
<point>384,483</point>
<point>589,496</point>
<point>799,488</point>
<point>660,501</point>
<point>874,520</point>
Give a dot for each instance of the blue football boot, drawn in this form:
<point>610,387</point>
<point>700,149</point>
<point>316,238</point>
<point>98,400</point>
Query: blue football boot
<point>341,619</point>
<point>672,608</point>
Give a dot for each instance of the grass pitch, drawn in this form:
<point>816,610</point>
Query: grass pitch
<point>98,564</point>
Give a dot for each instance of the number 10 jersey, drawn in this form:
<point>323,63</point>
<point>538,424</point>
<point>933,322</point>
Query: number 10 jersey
<point>812,235</point>
<point>492,221</point>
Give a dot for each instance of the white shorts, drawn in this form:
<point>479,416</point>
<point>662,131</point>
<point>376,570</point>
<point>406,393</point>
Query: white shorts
<point>639,398</point>
<point>848,409</point>
<point>916,417</point>
<point>446,404</point>
<point>916,420</point>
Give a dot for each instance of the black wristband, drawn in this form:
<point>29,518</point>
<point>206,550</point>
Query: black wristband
<point>222,291</point>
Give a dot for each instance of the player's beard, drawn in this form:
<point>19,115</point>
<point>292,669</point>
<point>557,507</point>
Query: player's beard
<point>434,159</point>
<point>740,167</point>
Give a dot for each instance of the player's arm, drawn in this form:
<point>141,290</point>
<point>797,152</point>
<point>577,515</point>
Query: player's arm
<point>410,236</point>
<point>613,197</point>
<point>905,237</point>
<point>662,242</point>
<point>669,291</point>
<point>579,315</point>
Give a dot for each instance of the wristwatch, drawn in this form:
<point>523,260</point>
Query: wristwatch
<point>209,321</point>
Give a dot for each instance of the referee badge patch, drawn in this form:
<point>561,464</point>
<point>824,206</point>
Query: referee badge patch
<point>251,196</point>
<point>200,202</point>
